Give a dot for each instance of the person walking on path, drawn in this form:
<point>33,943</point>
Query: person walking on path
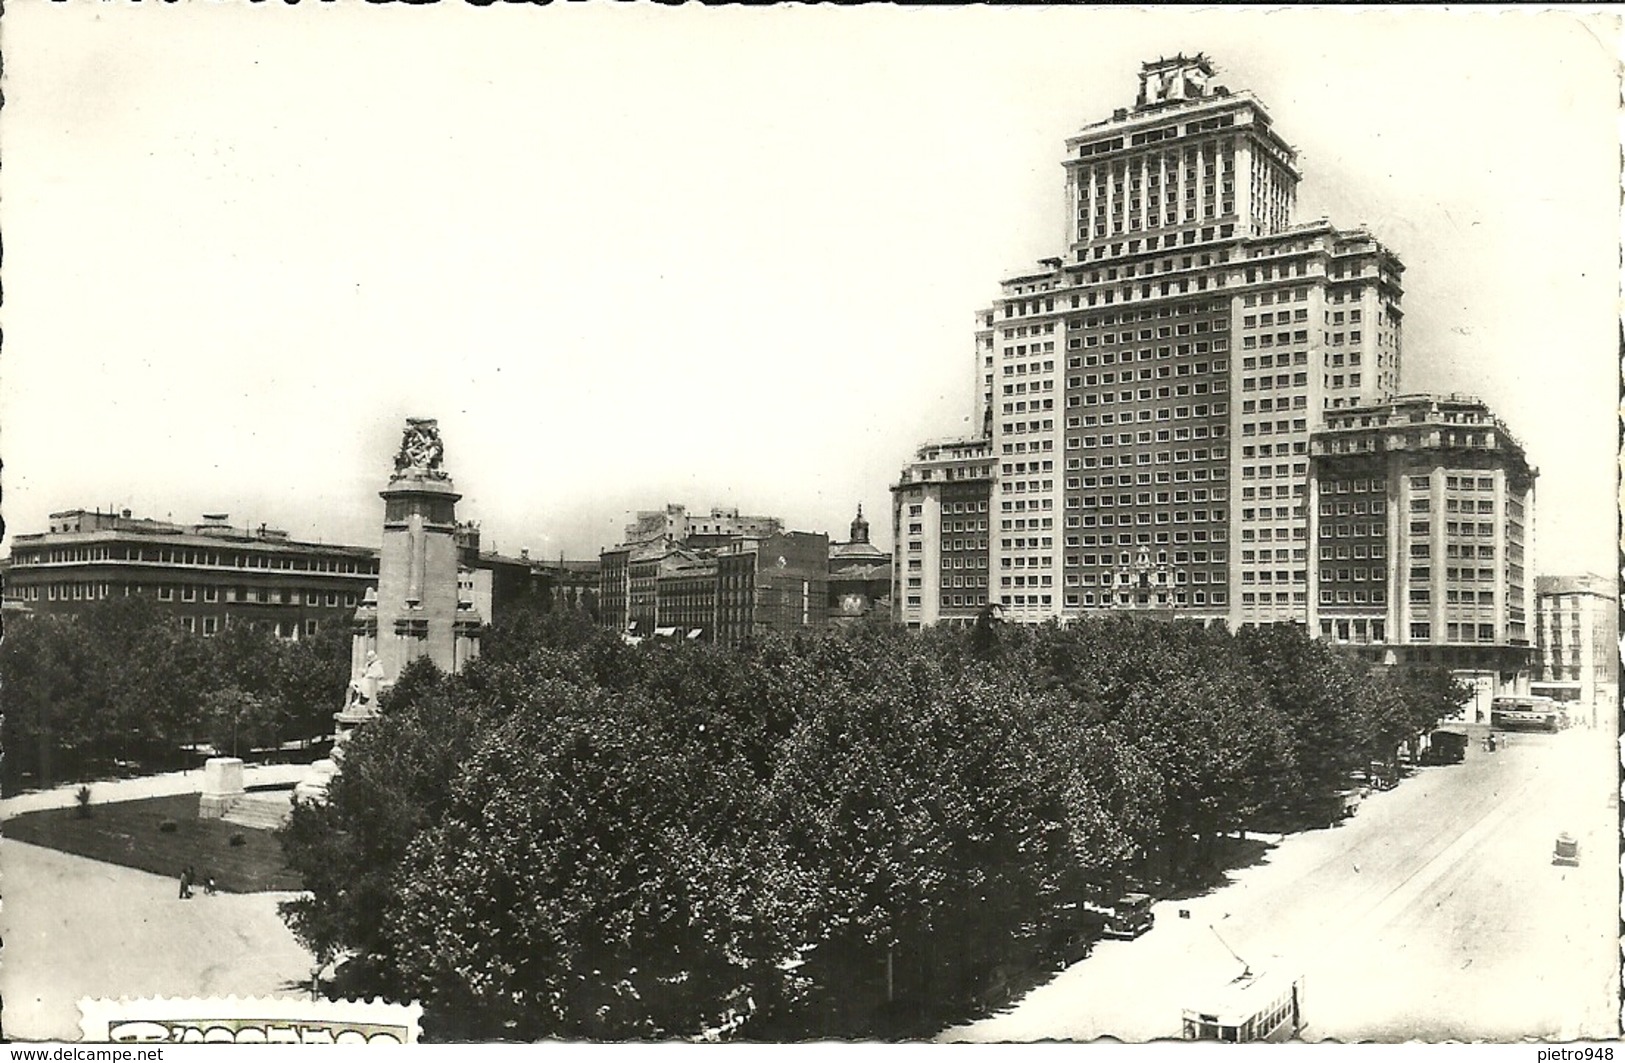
<point>186,882</point>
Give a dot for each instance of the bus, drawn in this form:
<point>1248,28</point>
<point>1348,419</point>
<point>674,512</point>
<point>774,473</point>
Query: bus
<point>1524,713</point>
<point>1253,1007</point>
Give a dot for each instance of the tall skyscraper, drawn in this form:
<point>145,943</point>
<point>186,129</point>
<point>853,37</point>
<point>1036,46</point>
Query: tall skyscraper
<point>1147,396</point>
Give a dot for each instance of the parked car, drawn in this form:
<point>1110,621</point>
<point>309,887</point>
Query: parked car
<point>1384,775</point>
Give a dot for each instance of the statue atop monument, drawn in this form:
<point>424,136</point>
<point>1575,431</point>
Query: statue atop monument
<point>421,452</point>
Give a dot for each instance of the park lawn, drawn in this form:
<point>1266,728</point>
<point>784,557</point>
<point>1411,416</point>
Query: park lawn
<point>126,833</point>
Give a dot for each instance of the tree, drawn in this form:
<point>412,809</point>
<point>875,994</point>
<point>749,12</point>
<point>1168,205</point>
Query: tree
<point>1217,749</point>
<point>1384,716</point>
<point>946,819</point>
<point>601,873</point>
<point>1432,693</point>
<point>310,680</point>
<point>238,722</point>
<point>396,782</point>
<point>47,724</point>
<point>1311,688</point>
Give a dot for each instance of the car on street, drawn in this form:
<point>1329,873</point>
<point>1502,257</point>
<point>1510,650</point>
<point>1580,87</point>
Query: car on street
<point>1125,917</point>
<point>1445,747</point>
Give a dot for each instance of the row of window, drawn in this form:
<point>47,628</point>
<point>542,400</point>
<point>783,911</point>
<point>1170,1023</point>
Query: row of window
<point>1282,404</point>
<point>283,629</point>
<point>1161,598</point>
<point>1180,516</point>
<point>199,558</point>
<point>1112,339</point>
<point>1200,535</point>
<point>1359,629</point>
<point>1451,527</point>
<point>1285,317</point>
<point>1352,575</point>
<point>1146,269</point>
<point>1297,575</point>
<point>1281,380</point>
<point>1074,579</point>
<point>1163,457</point>
<point>1278,598</point>
<point>1361,550</point>
<point>1264,428</point>
<point>165,592</point>
<point>1342,509</point>
<point>1344,531</point>
<point>1297,532</point>
<point>1160,435</point>
<point>1144,498</point>
<point>1340,487</point>
<point>1166,310</point>
<point>1181,557</point>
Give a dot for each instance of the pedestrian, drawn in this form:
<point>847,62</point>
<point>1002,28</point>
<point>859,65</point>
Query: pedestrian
<point>208,886</point>
<point>186,883</point>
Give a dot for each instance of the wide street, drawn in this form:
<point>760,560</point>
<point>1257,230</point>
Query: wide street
<point>1435,913</point>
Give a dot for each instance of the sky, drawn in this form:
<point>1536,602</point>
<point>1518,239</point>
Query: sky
<point>634,255</point>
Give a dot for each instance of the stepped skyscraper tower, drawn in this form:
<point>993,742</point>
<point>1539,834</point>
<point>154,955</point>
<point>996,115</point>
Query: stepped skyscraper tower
<point>1146,396</point>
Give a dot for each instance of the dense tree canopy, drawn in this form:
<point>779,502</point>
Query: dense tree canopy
<point>806,837</point>
<point>123,682</point>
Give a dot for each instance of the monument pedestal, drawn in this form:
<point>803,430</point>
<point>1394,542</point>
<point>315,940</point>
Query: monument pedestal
<point>222,786</point>
<point>313,787</point>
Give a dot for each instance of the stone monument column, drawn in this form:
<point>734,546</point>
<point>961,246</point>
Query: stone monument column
<point>416,610</point>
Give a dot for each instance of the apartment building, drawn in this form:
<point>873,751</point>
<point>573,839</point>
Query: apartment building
<point>1577,645</point>
<point>207,574</point>
<point>941,514</point>
<point>723,577</point>
<point>1425,530</point>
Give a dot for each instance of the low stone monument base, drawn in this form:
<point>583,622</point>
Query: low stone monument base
<point>313,787</point>
<point>222,786</point>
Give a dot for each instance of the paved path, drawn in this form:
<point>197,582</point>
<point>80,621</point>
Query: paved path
<point>175,782</point>
<point>75,927</point>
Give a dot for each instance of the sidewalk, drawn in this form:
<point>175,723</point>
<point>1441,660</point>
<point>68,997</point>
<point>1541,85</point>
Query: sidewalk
<point>175,782</point>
